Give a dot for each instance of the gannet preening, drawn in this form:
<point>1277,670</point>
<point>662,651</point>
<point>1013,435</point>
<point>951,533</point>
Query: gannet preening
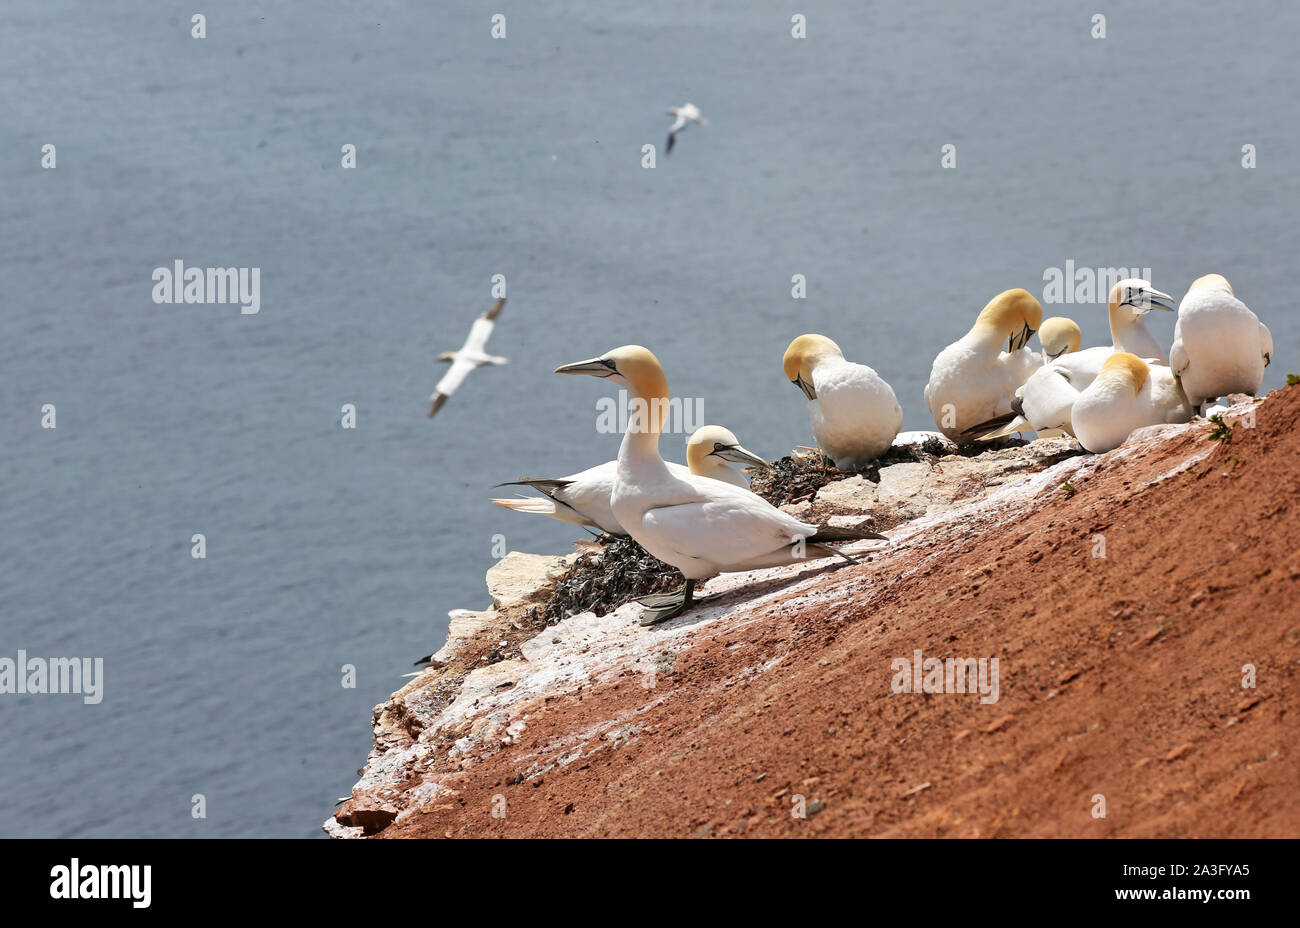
<point>855,414</point>
<point>583,498</point>
<point>1126,395</point>
<point>470,356</point>
<point>1043,403</point>
<point>1059,335</point>
<point>686,113</point>
<point>1220,346</point>
<point>974,379</point>
<point>701,526</point>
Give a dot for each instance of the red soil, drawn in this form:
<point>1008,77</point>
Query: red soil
<point>1120,676</point>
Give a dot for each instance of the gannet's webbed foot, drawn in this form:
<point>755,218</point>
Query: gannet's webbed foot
<point>665,606</point>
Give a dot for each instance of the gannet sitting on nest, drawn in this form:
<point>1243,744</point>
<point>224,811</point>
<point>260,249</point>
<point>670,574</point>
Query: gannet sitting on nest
<point>701,526</point>
<point>686,113</point>
<point>583,498</point>
<point>1127,394</point>
<point>974,379</point>
<point>855,414</point>
<point>470,356</point>
<point>1220,346</point>
<point>1043,403</point>
<point>1059,335</point>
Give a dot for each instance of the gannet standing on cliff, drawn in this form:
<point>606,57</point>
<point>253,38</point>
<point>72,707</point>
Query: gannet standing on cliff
<point>1059,335</point>
<point>855,414</point>
<point>1127,394</point>
<point>701,526</point>
<point>686,113</point>
<point>470,356</point>
<point>583,498</point>
<point>1220,346</point>
<point>974,379</point>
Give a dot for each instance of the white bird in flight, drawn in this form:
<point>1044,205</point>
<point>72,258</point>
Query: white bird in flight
<point>686,113</point>
<point>470,356</point>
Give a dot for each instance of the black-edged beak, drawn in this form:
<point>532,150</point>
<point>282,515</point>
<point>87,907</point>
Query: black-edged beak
<point>1148,299</point>
<point>1053,357</point>
<point>806,387</point>
<point>739,455</point>
<point>1020,339</point>
<point>596,367</point>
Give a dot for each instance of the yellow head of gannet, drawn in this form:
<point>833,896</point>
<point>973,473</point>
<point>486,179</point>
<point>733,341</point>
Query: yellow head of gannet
<point>1211,282</point>
<point>1013,315</point>
<point>1059,335</point>
<point>802,356</point>
<point>1126,368</point>
<point>637,369</point>
<point>1136,297</point>
<point>710,448</point>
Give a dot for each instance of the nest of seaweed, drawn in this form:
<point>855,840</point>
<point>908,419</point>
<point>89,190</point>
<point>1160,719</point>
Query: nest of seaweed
<point>605,577</point>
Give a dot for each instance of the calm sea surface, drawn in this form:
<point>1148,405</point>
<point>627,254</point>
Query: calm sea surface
<point>329,547</point>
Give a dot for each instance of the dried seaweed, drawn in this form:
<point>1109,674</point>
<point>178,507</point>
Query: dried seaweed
<point>605,578</point>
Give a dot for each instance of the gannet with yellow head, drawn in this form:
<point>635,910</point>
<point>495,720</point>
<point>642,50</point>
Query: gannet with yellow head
<point>855,414</point>
<point>974,379</point>
<point>1127,394</point>
<point>701,526</point>
<point>1220,346</point>
<point>1059,335</point>
<point>583,498</point>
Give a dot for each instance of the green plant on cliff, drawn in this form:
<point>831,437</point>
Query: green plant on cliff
<point>1293,380</point>
<point>1222,430</point>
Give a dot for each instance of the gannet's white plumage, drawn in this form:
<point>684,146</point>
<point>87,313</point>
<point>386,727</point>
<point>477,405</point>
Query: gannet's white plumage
<point>470,356</point>
<point>1220,346</point>
<point>584,498</point>
<point>1127,394</point>
<point>855,414</point>
<point>699,525</point>
<point>686,113</point>
<point>974,379</point>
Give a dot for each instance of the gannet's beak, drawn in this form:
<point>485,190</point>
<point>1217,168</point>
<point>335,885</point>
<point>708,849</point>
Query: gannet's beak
<point>1149,298</point>
<point>806,387</point>
<point>739,455</point>
<point>596,367</point>
<point>1020,339</point>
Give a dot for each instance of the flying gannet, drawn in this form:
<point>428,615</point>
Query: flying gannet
<point>583,498</point>
<point>1220,346</point>
<point>974,379</point>
<point>701,526</point>
<point>855,414</point>
<point>686,113</point>
<point>1127,394</point>
<point>470,356</point>
<point>1043,402</point>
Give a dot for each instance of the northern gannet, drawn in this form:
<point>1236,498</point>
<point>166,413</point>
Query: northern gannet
<point>1220,346</point>
<point>583,498</point>
<point>701,526</point>
<point>1059,335</point>
<point>686,113</point>
<point>1127,394</point>
<point>855,414</point>
<point>1043,402</point>
<point>470,356</point>
<point>974,379</point>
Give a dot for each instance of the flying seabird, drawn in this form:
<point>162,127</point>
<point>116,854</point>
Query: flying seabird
<point>686,113</point>
<point>470,356</point>
<point>699,525</point>
<point>855,414</point>
<point>584,498</point>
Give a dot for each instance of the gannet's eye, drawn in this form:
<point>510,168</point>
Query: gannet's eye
<point>719,446</point>
<point>610,364</point>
